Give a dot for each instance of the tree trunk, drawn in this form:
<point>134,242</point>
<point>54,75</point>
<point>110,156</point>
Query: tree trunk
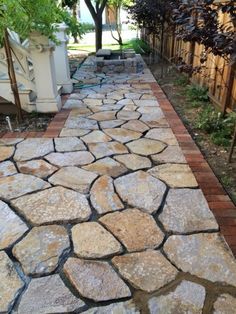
<point>74,12</point>
<point>98,31</point>
<point>12,76</point>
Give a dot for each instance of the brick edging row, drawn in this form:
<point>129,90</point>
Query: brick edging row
<point>219,201</point>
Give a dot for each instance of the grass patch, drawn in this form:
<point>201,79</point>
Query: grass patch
<point>138,45</point>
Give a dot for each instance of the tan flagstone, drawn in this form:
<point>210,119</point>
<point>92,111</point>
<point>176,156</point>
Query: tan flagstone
<point>119,308</point>
<point>96,137</point>
<point>7,168</point>
<point>74,178</point>
<point>175,175</point>
<point>48,295</point>
<point>103,196</point>
<point>11,226</point>
<point>188,297</point>
<point>11,283</point>
<point>103,116</point>
<point>111,124</point>
<point>39,168</point>
<point>136,125</point>
<point>20,184</point>
<point>122,135</point>
<point>136,230</point>
<point>73,132</point>
<point>205,255</point>
<point>147,271</point>
<point>54,205</point>
<point>162,134</point>
<point>95,280</point>
<point>40,250</point>
<point>133,161</point>
<point>68,144</point>
<point>91,240</point>
<point>33,148</point>
<point>70,159</point>
<point>107,166</point>
<point>225,304</point>
<point>128,115</point>
<point>145,146</point>
<point>6,152</point>
<point>100,150</point>
<point>141,190</point>
<point>172,154</point>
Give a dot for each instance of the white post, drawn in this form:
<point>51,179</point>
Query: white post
<point>41,51</point>
<point>61,60</point>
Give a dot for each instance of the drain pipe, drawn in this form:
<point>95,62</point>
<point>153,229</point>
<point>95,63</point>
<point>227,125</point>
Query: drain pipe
<point>9,123</point>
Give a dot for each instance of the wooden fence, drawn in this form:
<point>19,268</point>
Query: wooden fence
<point>217,75</point>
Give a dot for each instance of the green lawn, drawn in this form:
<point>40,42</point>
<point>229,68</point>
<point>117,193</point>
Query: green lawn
<point>138,45</point>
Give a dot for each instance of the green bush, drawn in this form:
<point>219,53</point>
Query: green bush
<point>182,80</point>
<point>87,27</point>
<point>197,93</point>
<point>218,126</point>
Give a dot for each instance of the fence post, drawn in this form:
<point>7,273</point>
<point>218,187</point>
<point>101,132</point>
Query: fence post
<point>41,51</point>
<point>61,60</point>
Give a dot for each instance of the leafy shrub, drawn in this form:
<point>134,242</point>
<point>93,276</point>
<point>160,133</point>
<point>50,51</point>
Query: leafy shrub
<point>87,27</point>
<point>182,80</point>
<point>198,93</point>
<point>218,126</point>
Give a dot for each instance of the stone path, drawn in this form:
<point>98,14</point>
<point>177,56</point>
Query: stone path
<point>108,218</point>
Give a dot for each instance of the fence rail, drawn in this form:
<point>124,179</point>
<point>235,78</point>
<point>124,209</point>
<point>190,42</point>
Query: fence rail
<point>216,74</point>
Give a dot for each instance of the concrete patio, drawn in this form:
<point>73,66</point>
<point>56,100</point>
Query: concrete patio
<point>109,217</point>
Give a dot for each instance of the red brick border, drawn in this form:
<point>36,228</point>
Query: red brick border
<point>217,198</point>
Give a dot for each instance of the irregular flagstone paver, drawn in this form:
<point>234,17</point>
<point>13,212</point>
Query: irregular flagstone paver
<point>154,120</point>
<point>91,240</point>
<point>70,159</point>
<point>186,210</point>
<point>6,152</point>
<point>95,280</point>
<point>39,168</point>
<point>73,132</point>
<point>146,103</point>
<point>11,226</point>
<point>107,166</point>
<point>149,110</point>
<point>135,125</point>
<point>225,304</point>
<point>141,190</point>
<point>133,161</point>
<point>205,255</point>
<point>81,123</point>
<point>10,141</point>
<point>80,112</point>
<point>103,196</point>
<point>145,146</point>
<point>175,175</point>
<point>111,124</point>
<point>147,271</point>
<point>40,250</point>
<point>128,115</point>
<point>148,97</point>
<point>100,150</point>
<point>123,135</point>
<point>74,178</point>
<point>135,229</point>
<point>7,168</point>
<point>96,137</point>
<point>188,297</point>
<point>48,295</point>
<point>20,184</point>
<point>115,308</point>
<point>33,148</point>
<point>129,108</point>
<point>53,205</point>
<point>77,96</point>
<point>133,96</point>
<point>172,154</point>
<point>126,102</point>
<point>103,116</point>
<point>11,283</point>
<point>163,134</point>
<point>91,101</point>
<point>72,103</point>
<point>68,144</point>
